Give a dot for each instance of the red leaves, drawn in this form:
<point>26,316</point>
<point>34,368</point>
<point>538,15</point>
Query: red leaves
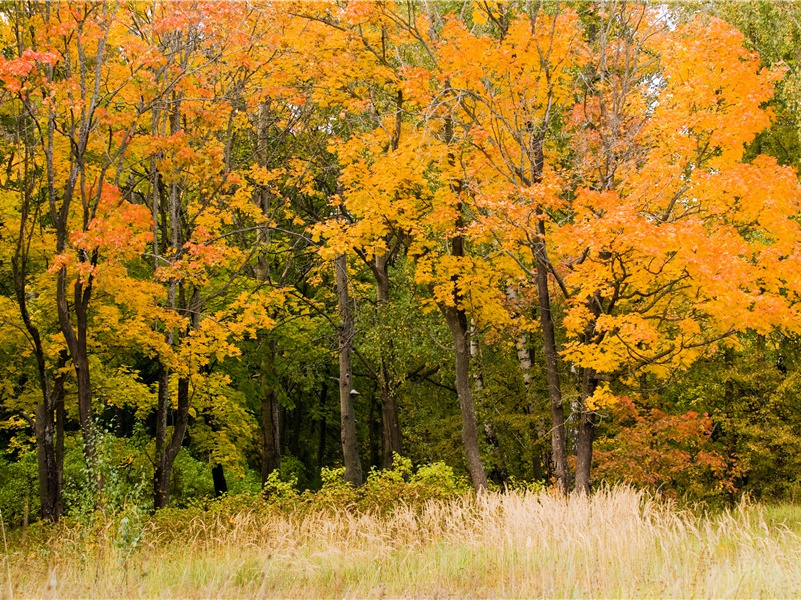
<point>657,448</point>
<point>13,72</point>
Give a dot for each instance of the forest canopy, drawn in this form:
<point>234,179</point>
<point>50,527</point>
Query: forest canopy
<point>247,243</point>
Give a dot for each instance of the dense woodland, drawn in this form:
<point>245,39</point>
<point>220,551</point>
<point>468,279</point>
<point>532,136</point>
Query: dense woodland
<point>546,244</point>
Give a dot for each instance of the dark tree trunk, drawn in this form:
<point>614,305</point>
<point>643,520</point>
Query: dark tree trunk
<point>322,431</point>
<point>558,429</point>
<point>376,433</point>
<point>297,425</point>
<point>45,454</point>
<point>58,505</point>
<point>457,322</point>
<point>160,489</point>
<point>350,448</point>
<point>164,461</point>
<point>498,473</point>
<point>270,434</point>
<point>49,433</point>
<point>585,433</point>
<point>218,477</point>
<point>391,436</point>
<point>76,344</point>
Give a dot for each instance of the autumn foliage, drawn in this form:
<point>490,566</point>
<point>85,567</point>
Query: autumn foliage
<point>526,230</point>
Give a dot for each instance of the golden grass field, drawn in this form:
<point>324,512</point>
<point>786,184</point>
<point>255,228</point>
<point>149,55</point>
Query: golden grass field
<point>619,543</point>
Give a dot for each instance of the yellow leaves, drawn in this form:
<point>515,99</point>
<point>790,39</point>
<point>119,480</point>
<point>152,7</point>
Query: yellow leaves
<point>478,13</point>
<point>577,319</point>
<point>601,398</point>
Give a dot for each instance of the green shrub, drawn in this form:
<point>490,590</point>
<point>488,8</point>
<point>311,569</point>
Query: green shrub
<point>19,489</point>
<point>191,480</point>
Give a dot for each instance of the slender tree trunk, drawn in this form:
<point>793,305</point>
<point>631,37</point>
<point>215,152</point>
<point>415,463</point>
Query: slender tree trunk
<point>48,429</point>
<point>585,433</point>
<point>585,436</point>
<point>76,344</point>
<point>350,448</point>
<point>270,434</point>
<point>297,425</point>
<point>218,477</point>
<point>540,463</point>
<point>391,435</point>
<point>375,430</point>
<point>498,472</point>
<point>45,454</point>
<point>58,507</point>
<point>457,322</point>
<point>164,463</point>
<point>558,430</point>
<point>44,423</point>
<point>160,488</point>
<point>322,432</point>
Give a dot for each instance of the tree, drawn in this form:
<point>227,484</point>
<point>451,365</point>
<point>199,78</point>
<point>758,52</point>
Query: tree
<point>671,249</point>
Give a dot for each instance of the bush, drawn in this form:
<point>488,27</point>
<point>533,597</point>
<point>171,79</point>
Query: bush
<point>383,488</point>
<point>19,489</point>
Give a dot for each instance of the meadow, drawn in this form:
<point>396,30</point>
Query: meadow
<point>617,543</point>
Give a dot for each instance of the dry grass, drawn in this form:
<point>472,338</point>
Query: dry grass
<point>618,543</point>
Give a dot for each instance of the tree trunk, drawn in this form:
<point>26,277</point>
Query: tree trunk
<point>270,434</point>
<point>586,434</point>
<point>586,419</point>
<point>163,468</point>
<point>322,423</point>
<point>45,454</point>
<point>375,431</point>
<point>558,430</point>
<point>541,463</point>
<point>76,344</point>
<point>457,322</point>
<point>218,477</point>
<point>297,425</point>
<point>350,448</point>
<point>391,435</point>
<point>58,506</point>
<point>498,472</point>
<point>161,489</point>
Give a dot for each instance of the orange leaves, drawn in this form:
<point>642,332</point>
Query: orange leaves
<point>715,90</point>
<point>119,230</point>
<point>15,72</point>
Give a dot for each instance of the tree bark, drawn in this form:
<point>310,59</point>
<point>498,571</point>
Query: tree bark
<point>45,423</point>
<point>586,435</point>
<point>270,434</point>
<point>498,472</point>
<point>391,435</point>
<point>76,344</point>
<point>457,323</point>
<point>165,459</point>
<point>160,487</point>
<point>322,431</point>
<point>558,429</point>
<point>350,448</point>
